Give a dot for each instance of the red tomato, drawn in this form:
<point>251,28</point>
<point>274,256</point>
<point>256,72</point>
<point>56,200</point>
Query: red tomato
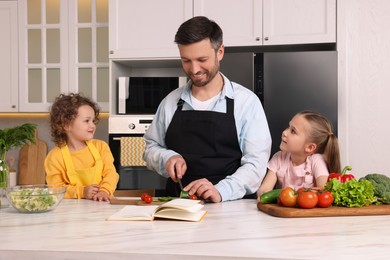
<point>288,197</point>
<point>193,197</point>
<point>143,196</point>
<point>307,199</point>
<point>148,199</point>
<point>325,199</point>
<point>308,189</point>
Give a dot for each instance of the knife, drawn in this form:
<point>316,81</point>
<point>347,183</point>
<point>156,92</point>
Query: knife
<point>180,185</point>
<point>183,194</point>
<point>179,181</point>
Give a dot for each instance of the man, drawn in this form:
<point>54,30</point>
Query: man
<point>212,133</point>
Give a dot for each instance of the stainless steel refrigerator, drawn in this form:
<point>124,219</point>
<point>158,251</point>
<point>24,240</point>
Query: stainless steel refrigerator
<point>286,83</point>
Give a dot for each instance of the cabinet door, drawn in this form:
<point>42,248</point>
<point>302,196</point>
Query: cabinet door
<point>63,48</point>
<point>43,45</point>
<point>299,21</point>
<point>88,50</point>
<point>241,21</point>
<point>146,29</point>
<point>9,57</point>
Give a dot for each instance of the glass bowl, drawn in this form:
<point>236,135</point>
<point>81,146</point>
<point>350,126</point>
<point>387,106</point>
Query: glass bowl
<point>35,198</point>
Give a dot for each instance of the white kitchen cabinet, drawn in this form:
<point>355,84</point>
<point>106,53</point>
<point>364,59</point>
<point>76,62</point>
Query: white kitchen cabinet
<point>9,56</point>
<point>241,21</point>
<point>63,47</point>
<point>271,22</point>
<point>299,21</point>
<point>146,29</point>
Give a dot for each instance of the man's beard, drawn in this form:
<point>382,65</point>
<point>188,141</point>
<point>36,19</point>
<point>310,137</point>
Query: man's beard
<point>209,77</point>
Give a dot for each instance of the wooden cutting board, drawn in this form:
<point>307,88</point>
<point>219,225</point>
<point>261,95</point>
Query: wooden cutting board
<point>333,211</point>
<point>31,163</point>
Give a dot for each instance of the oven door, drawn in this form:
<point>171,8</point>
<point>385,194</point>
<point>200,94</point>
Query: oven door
<point>133,175</point>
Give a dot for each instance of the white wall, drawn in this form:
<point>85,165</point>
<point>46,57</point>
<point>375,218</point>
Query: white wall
<point>363,43</point>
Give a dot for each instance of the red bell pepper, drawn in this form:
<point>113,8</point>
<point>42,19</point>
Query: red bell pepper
<point>342,177</point>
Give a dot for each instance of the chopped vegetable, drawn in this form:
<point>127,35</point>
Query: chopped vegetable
<point>352,193</point>
<point>184,195</point>
<point>164,198</point>
<point>381,184</point>
<point>193,197</point>
<point>32,199</point>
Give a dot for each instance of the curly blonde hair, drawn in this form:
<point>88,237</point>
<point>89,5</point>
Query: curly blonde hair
<point>62,113</point>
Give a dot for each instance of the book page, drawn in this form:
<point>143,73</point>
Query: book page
<point>179,209</point>
<point>184,204</point>
<point>179,214</point>
<point>132,212</point>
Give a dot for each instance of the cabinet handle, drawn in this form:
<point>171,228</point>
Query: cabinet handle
<point>265,38</point>
<point>257,38</point>
<point>111,52</point>
<point>13,106</point>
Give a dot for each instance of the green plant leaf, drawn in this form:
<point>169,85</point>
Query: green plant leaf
<point>16,137</point>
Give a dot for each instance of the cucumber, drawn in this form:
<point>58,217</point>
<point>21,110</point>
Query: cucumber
<point>270,197</point>
<point>184,195</point>
<point>165,199</point>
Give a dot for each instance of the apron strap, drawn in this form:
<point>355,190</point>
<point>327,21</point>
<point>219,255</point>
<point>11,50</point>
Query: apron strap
<point>68,160</point>
<point>94,151</point>
<point>180,104</point>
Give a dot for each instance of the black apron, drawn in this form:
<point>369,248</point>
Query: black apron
<point>208,142</point>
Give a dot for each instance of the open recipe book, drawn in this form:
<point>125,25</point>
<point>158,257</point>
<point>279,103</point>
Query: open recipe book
<point>176,209</point>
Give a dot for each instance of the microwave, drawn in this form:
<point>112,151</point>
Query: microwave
<point>142,95</point>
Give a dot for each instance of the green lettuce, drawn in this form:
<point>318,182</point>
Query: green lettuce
<point>352,193</point>
<point>32,199</point>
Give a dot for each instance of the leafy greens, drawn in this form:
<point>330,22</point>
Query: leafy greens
<point>32,199</point>
<point>352,193</point>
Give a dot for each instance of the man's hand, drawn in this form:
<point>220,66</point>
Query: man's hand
<point>204,189</point>
<point>176,167</point>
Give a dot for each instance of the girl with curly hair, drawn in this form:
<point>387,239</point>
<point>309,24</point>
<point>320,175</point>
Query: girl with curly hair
<point>84,164</point>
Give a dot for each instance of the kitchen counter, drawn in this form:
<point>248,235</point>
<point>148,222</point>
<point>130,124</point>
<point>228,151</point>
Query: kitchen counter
<point>77,230</point>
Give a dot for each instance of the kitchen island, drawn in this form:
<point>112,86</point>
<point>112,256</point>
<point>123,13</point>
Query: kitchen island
<point>77,229</point>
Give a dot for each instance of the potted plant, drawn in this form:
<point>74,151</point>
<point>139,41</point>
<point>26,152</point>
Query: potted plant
<point>12,138</point>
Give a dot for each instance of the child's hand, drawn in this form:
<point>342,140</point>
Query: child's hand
<point>101,196</point>
<point>91,191</point>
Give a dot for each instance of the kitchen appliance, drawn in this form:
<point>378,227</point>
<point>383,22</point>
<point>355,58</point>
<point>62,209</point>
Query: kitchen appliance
<point>286,83</point>
<point>142,95</point>
<point>126,139</point>
<point>138,97</point>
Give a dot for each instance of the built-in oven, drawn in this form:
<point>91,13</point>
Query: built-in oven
<point>127,146</point>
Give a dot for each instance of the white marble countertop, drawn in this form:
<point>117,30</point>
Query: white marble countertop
<point>77,230</point>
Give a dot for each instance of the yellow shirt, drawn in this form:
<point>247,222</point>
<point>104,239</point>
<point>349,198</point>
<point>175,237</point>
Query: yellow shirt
<point>56,171</point>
